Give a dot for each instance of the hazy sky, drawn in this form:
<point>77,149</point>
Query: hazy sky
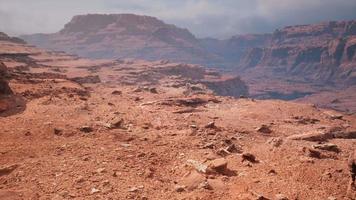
<point>214,18</point>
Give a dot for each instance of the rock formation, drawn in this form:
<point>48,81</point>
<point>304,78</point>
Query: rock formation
<point>4,87</point>
<point>124,36</point>
<point>290,63</point>
<point>321,52</point>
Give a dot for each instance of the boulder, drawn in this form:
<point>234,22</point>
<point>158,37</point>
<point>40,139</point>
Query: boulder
<point>218,165</point>
<point>5,170</point>
<point>315,136</point>
<point>327,147</point>
<point>193,181</point>
<point>249,157</point>
<point>264,129</point>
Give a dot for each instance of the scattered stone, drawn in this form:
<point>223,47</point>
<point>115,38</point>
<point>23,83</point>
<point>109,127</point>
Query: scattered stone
<point>312,136</point>
<point>106,183</point>
<point>275,142</point>
<point>209,146</point>
<point>101,170</point>
<point>189,101</point>
<point>126,145</point>
<point>147,125</point>
<point>306,160</point>
<point>94,191</point>
<point>179,188</point>
<point>216,184</point>
<point>192,180</point>
<point>116,92</point>
<point>261,197</point>
<point>264,129</point>
<point>193,126</point>
<point>86,129</point>
<point>222,152</point>
<point>306,120</point>
<point>5,170</point>
<point>233,149</point>
<point>200,167</point>
<point>135,189</point>
<point>281,197</point>
<point>138,89</point>
<point>116,174</point>
<point>58,131</point>
<point>314,154</point>
<point>211,125</point>
<point>334,117</point>
<point>327,147</point>
<point>80,179</point>
<point>249,157</point>
<point>204,185</point>
<point>149,172</point>
<point>186,110</point>
<point>116,123</point>
<point>153,90</point>
<point>138,98</point>
<point>218,165</point>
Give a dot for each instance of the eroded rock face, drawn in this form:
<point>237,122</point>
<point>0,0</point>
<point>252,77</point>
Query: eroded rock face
<point>321,52</point>
<point>230,87</point>
<point>124,36</point>
<point>4,87</point>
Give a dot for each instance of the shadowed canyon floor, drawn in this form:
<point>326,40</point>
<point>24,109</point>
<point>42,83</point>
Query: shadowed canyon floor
<point>107,129</point>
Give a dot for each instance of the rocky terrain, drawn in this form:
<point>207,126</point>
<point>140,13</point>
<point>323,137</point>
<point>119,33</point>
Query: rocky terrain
<point>135,129</point>
<point>290,64</point>
<point>297,61</point>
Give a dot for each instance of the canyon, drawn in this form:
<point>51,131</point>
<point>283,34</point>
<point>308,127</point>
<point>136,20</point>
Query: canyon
<point>79,128</point>
<point>128,107</point>
<point>291,63</point>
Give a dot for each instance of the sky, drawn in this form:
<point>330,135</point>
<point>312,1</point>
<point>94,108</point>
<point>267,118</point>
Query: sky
<point>204,18</point>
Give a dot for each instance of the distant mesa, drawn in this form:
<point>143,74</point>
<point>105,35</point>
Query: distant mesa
<point>125,36</point>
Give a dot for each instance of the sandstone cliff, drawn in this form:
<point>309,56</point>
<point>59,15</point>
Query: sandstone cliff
<point>321,52</point>
<point>125,36</point>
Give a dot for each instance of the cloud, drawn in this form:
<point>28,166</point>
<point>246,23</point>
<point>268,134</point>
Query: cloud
<point>205,18</point>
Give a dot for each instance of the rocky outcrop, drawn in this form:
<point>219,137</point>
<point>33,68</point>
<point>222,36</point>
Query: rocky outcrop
<point>228,87</point>
<point>4,87</point>
<point>124,36</point>
<point>321,52</point>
